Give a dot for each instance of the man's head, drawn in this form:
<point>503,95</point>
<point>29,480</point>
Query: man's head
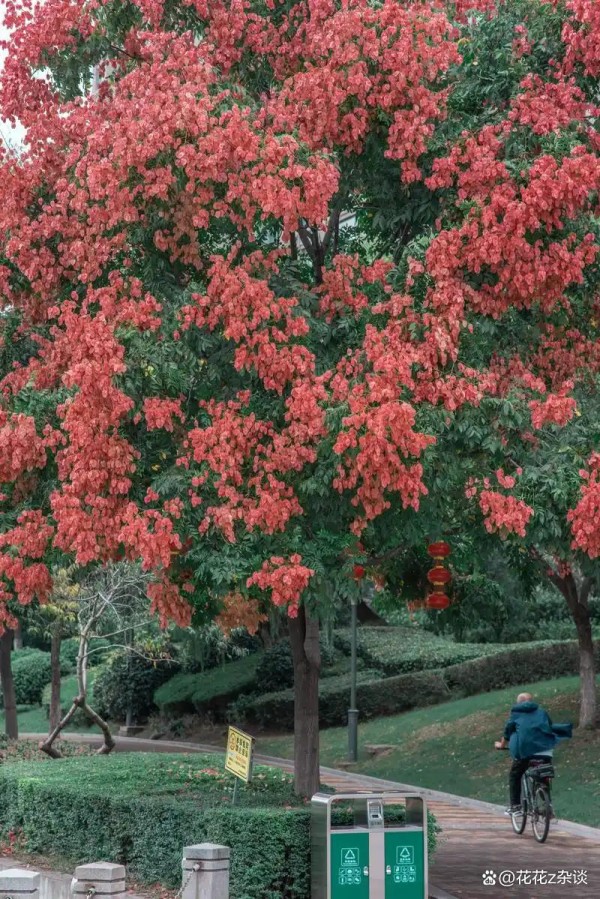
<point>524,697</point>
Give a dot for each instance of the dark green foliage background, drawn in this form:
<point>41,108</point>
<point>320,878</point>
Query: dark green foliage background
<point>127,681</point>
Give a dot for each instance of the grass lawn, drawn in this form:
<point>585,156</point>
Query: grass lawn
<point>32,720</point>
<point>449,747</point>
<point>198,779</point>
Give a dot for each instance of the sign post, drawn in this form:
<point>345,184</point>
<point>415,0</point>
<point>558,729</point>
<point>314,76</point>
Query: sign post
<point>239,757</point>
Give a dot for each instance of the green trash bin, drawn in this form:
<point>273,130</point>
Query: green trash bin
<point>368,846</point>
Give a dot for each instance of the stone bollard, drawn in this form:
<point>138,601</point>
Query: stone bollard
<point>18,883</point>
<point>99,879</point>
<point>205,871</point>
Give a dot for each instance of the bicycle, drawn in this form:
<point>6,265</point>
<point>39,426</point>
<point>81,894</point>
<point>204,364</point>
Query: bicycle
<point>536,800</point>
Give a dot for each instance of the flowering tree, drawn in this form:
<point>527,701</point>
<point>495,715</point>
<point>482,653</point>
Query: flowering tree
<point>518,249</point>
<point>219,380</point>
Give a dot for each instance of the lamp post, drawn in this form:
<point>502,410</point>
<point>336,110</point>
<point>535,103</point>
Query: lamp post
<point>353,711</point>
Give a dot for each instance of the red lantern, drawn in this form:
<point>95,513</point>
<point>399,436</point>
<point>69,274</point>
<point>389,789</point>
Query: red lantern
<point>439,550</point>
<point>437,601</point>
<point>359,572</point>
<point>439,575</point>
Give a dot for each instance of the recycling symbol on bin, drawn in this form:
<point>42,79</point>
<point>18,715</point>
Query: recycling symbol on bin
<point>405,855</point>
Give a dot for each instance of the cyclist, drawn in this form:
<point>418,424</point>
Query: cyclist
<point>529,734</point>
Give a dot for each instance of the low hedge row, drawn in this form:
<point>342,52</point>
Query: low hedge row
<point>278,708</point>
<point>142,810</point>
<point>270,846</point>
<point>211,690</point>
<point>401,650</point>
<point>390,695</point>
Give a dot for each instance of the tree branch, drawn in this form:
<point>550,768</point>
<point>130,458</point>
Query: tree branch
<point>306,238</point>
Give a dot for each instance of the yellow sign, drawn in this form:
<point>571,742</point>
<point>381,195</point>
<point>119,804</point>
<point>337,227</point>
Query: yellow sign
<point>238,758</point>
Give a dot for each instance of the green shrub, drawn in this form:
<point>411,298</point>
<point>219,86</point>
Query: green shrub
<point>211,690</point>
<point>141,810</point>
<point>277,709</point>
<point>400,650</point>
<point>69,649</point>
<point>30,652</point>
<point>275,670</point>
<point>31,673</point>
<point>520,665</point>
<point>129,681</point>
<point>378,695</point>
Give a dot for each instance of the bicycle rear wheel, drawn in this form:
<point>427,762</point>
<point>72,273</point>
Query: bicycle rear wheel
<point>519,820</point>
<point>541,813</point>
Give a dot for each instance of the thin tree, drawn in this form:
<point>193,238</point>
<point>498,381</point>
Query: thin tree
<point>112,601</point>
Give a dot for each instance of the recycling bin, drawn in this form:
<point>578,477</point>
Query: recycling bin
<point>368,846</point>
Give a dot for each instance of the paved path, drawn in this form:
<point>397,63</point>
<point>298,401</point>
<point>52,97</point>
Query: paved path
<point>476,837</point>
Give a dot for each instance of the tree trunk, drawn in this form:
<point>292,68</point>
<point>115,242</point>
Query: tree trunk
<point>306,655</point>
<point>55,679</point>
<point>11,726</point>
<point>577,601</point>
<point>18,644</point>
<point>80,702</point>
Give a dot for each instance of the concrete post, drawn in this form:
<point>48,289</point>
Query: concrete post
<point>99,879</point>
<point>206,871</point>
<point>19,883</point>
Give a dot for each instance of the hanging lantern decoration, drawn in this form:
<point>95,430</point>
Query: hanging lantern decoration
<point>438,601</point>
<point>439,550</point>
<point>439,577</point>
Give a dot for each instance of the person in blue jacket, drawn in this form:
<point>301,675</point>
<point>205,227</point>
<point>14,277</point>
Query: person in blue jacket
<point>529,734</point>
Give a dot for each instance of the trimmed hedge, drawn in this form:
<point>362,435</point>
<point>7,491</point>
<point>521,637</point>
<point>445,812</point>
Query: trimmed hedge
<point>211,690</point>
<point>141,810</point>
<point>59,811</point>
<point>390,695</point>
<point>401,650</point>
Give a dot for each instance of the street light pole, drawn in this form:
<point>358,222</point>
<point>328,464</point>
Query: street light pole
<point>353,711</point>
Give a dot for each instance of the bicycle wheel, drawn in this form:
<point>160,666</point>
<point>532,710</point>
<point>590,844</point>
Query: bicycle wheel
<point>541,813</point>
<point>519,820</point>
